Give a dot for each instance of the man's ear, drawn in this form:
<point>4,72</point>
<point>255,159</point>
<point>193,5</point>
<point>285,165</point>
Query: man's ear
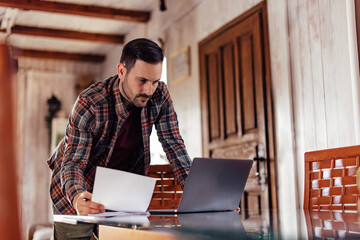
<point>121,70</point>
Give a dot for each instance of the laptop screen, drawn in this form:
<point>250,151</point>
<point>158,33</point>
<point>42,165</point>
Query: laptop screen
<point>215,184</point>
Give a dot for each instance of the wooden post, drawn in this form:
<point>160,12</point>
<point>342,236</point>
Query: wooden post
<point>9,217</point>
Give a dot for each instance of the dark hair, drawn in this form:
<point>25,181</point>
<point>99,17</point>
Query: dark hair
<point>143,49</point>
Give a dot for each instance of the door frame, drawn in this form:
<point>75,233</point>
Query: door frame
<point>357,25</point>
<point>262,9</point>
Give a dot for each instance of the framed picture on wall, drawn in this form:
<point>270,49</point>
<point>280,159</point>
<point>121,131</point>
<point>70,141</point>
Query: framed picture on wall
<point>180,65</point>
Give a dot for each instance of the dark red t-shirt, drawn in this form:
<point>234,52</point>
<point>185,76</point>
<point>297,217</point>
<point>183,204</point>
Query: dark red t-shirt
<point>128,142</point>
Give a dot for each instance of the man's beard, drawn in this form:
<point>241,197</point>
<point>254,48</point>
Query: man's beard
<point>140,95</point>
<point>133,101</point>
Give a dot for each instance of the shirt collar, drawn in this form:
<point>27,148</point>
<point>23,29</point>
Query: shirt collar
<point>119,104</point>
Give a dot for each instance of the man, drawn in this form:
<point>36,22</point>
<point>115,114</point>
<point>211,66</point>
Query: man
<point>110,126</point>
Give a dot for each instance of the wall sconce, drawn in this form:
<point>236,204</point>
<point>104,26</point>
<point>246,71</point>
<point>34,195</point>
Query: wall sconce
<point>162,5</point>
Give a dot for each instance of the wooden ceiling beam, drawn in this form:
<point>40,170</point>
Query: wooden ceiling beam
<point>47,32</point>
<point>17,52</point>
<point>76,9</point>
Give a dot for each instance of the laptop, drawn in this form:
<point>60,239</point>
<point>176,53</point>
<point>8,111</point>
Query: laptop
<point>212,185</point>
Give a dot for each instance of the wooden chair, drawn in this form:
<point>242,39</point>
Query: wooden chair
<point>330,179</point>
<point>167,191</point>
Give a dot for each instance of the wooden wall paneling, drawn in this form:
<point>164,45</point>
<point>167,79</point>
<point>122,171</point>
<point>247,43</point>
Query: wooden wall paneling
<point>353,16</point>
<point>330,70</point>
<point>213,97</point>
<point>317,73</point>
<point>220,78</point>
<point>299,107</point>
<point>247,82</point>
<point>297,83</point>
<point>28,181</point>
<point>35,188</point>
<point>320,76</point>
<point>280,11</point>
<point>299,104</point>
<point>20,143</point>
<point>229,90</point>
<point>20,120</point>
<point>238,97</point>
<point>306,75</point>
<point>342,77</point>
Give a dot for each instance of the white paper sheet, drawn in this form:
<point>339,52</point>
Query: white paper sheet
<point>116,214</point>
<point>121,217</point>
<point>122,191</point>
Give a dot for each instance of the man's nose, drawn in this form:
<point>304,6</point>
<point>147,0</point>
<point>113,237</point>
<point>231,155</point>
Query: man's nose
<point>148,88</point>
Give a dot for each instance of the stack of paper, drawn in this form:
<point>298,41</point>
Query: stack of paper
<point>128,195</point>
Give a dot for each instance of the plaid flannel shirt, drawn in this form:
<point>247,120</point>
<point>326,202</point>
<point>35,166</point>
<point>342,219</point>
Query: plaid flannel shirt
<point>94,122</point>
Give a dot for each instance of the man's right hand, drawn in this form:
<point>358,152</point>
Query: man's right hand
<point>84,206</point>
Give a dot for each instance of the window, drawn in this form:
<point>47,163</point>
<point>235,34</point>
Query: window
<point>156,152</point>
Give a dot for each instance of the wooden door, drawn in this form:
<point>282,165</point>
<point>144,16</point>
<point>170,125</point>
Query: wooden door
<point>236,106</point>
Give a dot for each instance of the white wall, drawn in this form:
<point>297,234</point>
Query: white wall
<point>283,115</point>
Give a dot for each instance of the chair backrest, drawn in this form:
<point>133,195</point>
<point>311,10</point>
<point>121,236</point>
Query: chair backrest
<point>167,191</point>
<point>330,179</point>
